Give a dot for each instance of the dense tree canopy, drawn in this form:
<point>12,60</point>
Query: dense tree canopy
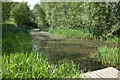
<point>21,14</point>
<point>6,7</point>
<point>40,16</point>
<point>100,19</point>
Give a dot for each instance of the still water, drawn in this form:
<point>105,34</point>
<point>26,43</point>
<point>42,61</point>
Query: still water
<point>58,48</point>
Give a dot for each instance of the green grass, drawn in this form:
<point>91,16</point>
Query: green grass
<point>34,65</point>
<point>18,61</point>
<point>80,33</point>
<point>113,40</point>
<point>72,33</point>
<point>108,55</point>
<point>15,39</point>
<point>16,42</point>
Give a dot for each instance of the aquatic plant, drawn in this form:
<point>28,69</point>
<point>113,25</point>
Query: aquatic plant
<point>108,55</point>
<point>72,33</point>
<point>34,65</point>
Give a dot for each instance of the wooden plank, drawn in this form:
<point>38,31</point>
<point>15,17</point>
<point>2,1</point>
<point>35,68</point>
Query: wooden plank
<point>113,70</point>
<point>87,76</point>
<point>102,76</point>
<point>93,76</point>
<point>109,71</point>
<point>118,72</point>
<point>97,77</point>
<point>103,73</point>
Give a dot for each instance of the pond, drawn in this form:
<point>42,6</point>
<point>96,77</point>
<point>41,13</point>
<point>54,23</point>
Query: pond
<point>81,51</point>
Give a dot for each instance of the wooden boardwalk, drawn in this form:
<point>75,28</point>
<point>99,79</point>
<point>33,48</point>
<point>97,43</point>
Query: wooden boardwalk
<point>104,74</point>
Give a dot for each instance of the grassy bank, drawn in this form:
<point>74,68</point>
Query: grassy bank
<point>108,56</point>
<point>72,33</point>
<point>19,61</point>
<point>80,33</point>
<point>15,39</point>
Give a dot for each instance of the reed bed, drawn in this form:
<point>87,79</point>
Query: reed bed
<point>108,55</point>
<point>72,33</point>
<point>34,65</point>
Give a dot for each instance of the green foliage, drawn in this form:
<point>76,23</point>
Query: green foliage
<point>16,42</point>
<point>6,7</point>
<point>108,55</point>
<point>15,39</point>
<point>21,14</point>
<point>113,39</point>
<point>40,16</point>
<point>72,33</point>
<point>10,22</point>
<point>33,65</point>
<point>15,29</point>
<point>19,62</point>
<point>81,33</point>
<point>98,18</point>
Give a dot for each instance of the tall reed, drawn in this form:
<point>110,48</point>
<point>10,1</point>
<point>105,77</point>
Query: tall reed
<point>33,65</point>
<point>108,55</point>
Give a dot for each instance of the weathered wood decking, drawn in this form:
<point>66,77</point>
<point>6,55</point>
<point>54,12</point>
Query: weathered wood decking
<point>104,74</point>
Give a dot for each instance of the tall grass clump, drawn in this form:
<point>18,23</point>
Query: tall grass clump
<point>108,55</point>
<point>33,65</point>
<point>72,33</point>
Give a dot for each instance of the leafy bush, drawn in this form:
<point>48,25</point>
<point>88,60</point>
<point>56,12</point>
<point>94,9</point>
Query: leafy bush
<point>108,55</point>
<point>15,29</point>
<point>33,65</point>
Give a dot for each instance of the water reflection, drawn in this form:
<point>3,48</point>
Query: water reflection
<point>81,51</point>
